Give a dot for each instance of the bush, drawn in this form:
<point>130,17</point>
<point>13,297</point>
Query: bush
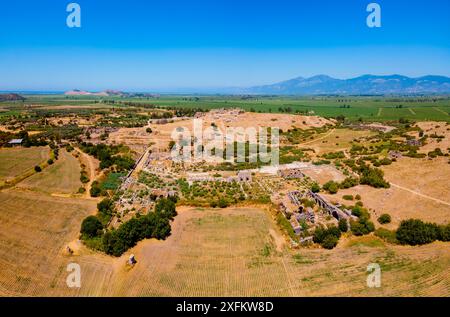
<point>95,191</point>
<point>416,232</point>
<point>91,227</point>
<point>373,177</point>
<point>362,227</point>
<point>347,197</point>
<point>332,187</point>
<point>105,210</point>
<point>222,203</point>
<point>329,242</point>
<point>349,182</point>
<point>343,225</point>
<point>444,233</point>
<point>358,197</point>
<point>38,169</point>
<point>321,233</point>
<point>315,188</point>
<point>387,235</point>
<point>50,162</point>
<point>384,219</point>
<point>166,208</point>
<point>152,225</point>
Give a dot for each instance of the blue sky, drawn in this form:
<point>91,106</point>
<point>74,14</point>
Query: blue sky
<point>165,45</point>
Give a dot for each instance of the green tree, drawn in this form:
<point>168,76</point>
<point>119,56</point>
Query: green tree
<point>91,227</point>
<point>329,242</point>
<point>343,225</point>
<point>416,232</point>
<point>384,219</point>
<point>315,188</point>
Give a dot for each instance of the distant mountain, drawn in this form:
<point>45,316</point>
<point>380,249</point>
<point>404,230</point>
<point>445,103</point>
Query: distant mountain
<point>11,97</point>
<point>363,85</point>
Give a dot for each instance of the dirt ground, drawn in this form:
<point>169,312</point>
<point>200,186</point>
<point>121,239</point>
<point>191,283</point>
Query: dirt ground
<point>137,139</point>
<point>229,252</point>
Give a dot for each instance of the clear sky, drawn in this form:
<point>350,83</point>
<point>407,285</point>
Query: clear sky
<point>164,45</point>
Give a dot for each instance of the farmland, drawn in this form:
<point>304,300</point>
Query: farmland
<point>375,108</point>
<point>242,229</point>
<point>16,161</point>
<point>234,252</point>
<point>62,177</point>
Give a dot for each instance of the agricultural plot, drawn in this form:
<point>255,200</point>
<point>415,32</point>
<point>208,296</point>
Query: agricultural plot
<point>230,252</point>
<point>63,177</point>
<point>16,161</point>
<point>34,229</point>
<point>335,140</point>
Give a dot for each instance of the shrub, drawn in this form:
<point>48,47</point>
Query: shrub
<point>329,242</point>
<point>416,232</point>
<point>348,197</point>
<point>95,191</point>
<point>315,188</point>
<point>222,203</point>
<point>384,219</point>
<point>362,227</point>
<point>321,233</point>
<point>153,225</point>
<point>349,182</point>
<point>387,235</point>
<point>91,227</point>
<point>373,177</point>
<point>166,208</point>
<point>358,197</point>
<point>332,187</point>
<point>50,162</point>
<point>343,225</point>
<point>444,233</point>
<point>38,169</point>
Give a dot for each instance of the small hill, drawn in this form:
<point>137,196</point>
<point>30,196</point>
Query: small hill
<point>105,93</point>
<point>11,97</point>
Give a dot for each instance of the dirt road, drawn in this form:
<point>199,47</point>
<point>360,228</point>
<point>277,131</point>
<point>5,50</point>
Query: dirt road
<point>421,195</point>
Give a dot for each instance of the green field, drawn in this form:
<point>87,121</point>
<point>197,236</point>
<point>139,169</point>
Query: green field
<point>354,108</point>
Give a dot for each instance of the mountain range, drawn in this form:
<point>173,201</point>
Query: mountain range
<point>363,85</point>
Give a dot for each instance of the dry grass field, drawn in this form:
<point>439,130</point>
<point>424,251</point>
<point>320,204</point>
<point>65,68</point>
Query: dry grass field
<point>63,177</point>
<point>335,140</point>
<point>419,189</point>
<point>137,139</point>
<point>162,132</point>
<point>16,161</point>
<point>439,128</point>
<point>229,252</point>
<point>34,229</point>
